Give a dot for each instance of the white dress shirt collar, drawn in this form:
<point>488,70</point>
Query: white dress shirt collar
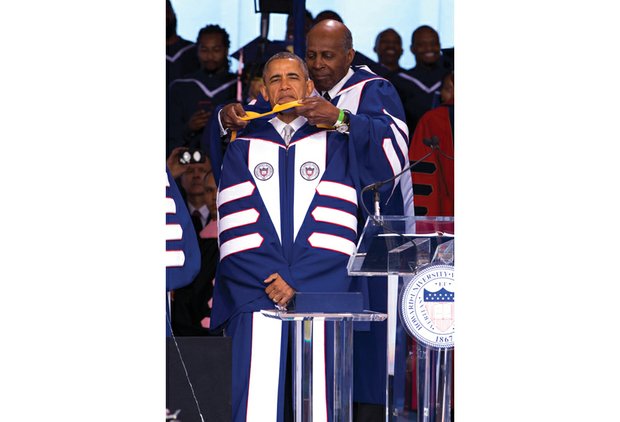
<point>336,88</point>
<point>203,210</point>
<point>295,124</point>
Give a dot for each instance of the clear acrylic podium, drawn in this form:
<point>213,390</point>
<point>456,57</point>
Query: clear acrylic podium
<point>398,247</point>
<point>343,359</point>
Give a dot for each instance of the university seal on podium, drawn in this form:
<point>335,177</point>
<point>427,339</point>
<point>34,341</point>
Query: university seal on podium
<point>426,306</point>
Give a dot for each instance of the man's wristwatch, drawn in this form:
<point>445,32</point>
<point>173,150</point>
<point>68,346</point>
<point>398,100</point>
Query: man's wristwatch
<point>344,119</point>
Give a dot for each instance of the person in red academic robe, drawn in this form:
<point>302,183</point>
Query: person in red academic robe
<point>433,178</point>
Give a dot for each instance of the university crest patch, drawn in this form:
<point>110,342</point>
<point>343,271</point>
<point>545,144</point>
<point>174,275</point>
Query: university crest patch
<point>263,171</point>
<point>309,170</point>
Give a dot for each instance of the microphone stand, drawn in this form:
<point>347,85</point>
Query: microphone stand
<point>392,294</point>
<point>392,286</point>
<point>375,187</point>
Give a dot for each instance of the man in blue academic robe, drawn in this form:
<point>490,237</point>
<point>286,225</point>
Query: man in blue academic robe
<point>375,124</point>
<point>288,207</point>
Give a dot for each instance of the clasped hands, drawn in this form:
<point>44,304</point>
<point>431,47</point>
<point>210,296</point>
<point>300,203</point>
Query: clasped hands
<point>278,290</point>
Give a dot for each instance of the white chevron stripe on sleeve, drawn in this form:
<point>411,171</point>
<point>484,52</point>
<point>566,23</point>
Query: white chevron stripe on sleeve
<point>232,193</point>
<point>174,258</point>
<point>390,154</point>
<point>173,232</point>
<point>240,244</point>
<point>332,243</point>
<point>170,206</point>
<point>238,219</point>
<point>337,190</point>
<point>334,216</point>
<point>402,143</point>
<point>401,125</point>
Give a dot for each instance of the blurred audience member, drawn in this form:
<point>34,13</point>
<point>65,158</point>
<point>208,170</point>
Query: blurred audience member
<point>191,310</point>
<point>192,98</point>
<point>180,53</point>
<point>193,183</point>
<point>253,81</point>
<point>389,49</point>
<point>420,85</point>
<point>327,14</point>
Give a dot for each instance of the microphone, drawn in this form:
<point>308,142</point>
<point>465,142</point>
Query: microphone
<point>375,186</point>
<point>432,143</point>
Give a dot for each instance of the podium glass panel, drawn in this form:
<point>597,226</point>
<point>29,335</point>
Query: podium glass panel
<point>399,247</point>
<point>303,359</point>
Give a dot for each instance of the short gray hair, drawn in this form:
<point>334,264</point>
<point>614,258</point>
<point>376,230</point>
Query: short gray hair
<point>283,55</point>
<point>348,39</point>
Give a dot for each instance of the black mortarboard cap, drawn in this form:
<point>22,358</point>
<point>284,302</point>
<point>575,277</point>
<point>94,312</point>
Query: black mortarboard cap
<point>274,6</point>
<point>259,50</point>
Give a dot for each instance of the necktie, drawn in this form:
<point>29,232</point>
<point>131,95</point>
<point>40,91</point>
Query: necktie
<point>288,133</point>
<point>326,96</point>
<point>196,220</point>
